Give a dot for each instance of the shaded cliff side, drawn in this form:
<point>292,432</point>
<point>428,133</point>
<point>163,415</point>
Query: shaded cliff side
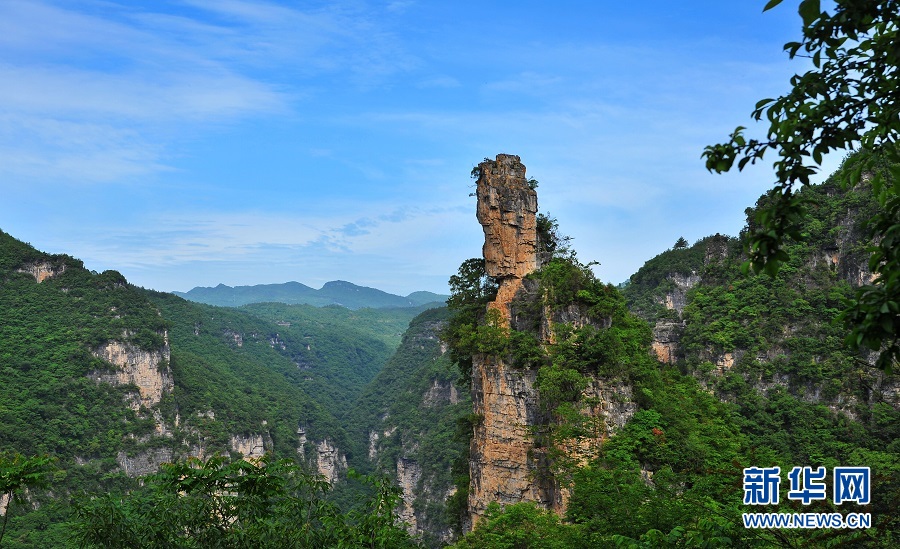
<point>783,333</point>
<point>409,420</point>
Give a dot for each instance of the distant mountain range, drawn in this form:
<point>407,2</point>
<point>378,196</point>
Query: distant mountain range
<point>337,292</point>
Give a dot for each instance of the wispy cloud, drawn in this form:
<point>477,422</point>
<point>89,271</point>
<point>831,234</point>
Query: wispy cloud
<point>103,93</point>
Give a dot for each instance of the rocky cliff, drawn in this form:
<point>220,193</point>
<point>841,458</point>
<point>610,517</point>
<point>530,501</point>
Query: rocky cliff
<point>504,400</point>
<point>148,370</point>
<point>506,464</point>
<point>408,421</point>
<point>507,209</point>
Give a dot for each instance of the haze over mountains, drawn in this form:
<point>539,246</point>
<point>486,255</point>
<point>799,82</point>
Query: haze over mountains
<point>336,292</point>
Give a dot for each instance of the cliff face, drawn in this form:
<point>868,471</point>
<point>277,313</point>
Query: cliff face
<point>330,461</point>
<point>42,270</point>
<point>505,465</point>
<point>410,415</point>
<point>504,399</point>
<point>148,370</point>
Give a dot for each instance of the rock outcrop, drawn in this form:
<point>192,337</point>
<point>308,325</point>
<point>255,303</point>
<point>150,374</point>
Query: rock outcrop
<point>440,393</point>
<point>330,461</point>
<point>504,399</point>
<point>507,211</point>
<point>148,370</point>
<point>145,462</point>
<point>409,473</point>
<point>249,446</point>
<point>505,466</point>
<point>43,270</point>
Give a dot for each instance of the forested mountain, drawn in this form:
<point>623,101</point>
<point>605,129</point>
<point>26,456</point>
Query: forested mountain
<point>556,401</point>
<point>337,292</point>
<point>111,380</point>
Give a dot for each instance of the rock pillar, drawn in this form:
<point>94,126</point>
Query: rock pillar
<point>501,461</point>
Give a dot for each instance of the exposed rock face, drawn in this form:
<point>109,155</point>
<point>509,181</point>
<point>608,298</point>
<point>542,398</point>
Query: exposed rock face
<point>504,399</point>
<point>149,370</point>
<point>42,271</point>
<point>504,464</point>
<point>250,446</point>
<point>145,462</point>
<point>329,461</point>
<point>666,336</point>
<point>507,209</point>
<point>676,298</point>
<point>409,473</point>
<point>501,464</point>
<point>439,393</point>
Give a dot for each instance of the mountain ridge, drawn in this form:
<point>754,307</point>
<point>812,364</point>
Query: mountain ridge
<point>336,292</point>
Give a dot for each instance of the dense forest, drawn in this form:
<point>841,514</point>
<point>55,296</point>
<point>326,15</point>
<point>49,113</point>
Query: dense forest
<point>108,381</point>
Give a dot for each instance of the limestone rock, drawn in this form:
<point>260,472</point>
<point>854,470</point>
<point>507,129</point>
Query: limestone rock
<point>249,446</point>
<point>409,473</point>
<point>666,337</point>
<point>43,270</point>
<point>505,465</point>
<point>145,462</point>
<point>149,370</point>
<point>439,394</point>
<point>329,461</point>
<point>507,209</point>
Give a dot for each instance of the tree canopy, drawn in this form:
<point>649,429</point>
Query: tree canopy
<point>848,100</point>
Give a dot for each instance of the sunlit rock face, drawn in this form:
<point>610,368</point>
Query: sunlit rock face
<point>505,466</point>
<point>507,210</point>
<point>43,270</point>
<point>147,369</point>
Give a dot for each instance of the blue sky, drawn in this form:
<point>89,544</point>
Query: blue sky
<point>196,142</point>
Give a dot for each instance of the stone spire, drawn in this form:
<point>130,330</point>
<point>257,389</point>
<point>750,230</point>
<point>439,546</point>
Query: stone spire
<point>507,207</point>
<point>501,467</point>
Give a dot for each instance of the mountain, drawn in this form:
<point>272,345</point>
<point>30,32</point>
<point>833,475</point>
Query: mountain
<point>337,292</point>
<point>111,380</point>
<point>543,408</point>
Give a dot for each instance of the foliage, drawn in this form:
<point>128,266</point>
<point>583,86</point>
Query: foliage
<point>522,525</point>
<point>221,503</point>
<point>386,324</point>
<point>19,473</point>
<point>234,372</point>
<point>550,242</point>
<point>850,98</point>
<point>874,312</point>
<point>671,477</point>
<point>646,290</point>
<point>471,289</point>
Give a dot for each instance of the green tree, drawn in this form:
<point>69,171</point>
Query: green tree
<point>17,474</point>
<point>680,243</point>
<point>217,503</point>
<point>849,99</point>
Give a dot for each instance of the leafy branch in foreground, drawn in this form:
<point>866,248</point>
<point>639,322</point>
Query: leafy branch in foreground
<point>849,99</point>
<point>17,474</point>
